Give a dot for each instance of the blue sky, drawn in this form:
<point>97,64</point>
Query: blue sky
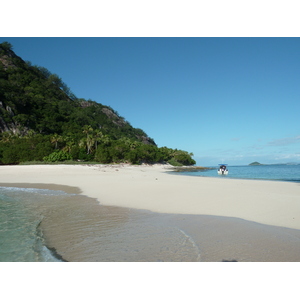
<point>227,100</point>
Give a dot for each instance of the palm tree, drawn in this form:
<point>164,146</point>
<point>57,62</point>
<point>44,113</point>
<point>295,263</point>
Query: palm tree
<point>98,135</point>
<point>68,146</point>
<point>82,143</point>
<point>87,129</point>
<point>90,140</point>
<point>55,139</point>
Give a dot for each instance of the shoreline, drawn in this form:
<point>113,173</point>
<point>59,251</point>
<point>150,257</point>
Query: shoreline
<point>152,188</point>
<point>71,232</point>
<point>141,196</point>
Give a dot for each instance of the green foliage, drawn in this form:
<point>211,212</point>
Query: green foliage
<point>255,163</point>
<point>126,150</point>
<point>92,146</point>
<point>183,158</point>
<point>41,101</point>
<point>41,119</point>
<point>103,155</point>
<point>5,47</point>
<point>14,149</point>
<point>174,162</point>
<point>58,156</point>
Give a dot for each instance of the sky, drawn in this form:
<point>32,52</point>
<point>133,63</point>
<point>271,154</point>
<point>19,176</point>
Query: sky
<point>227,100</point>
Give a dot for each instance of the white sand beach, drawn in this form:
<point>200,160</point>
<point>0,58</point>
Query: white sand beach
<point>152,188</point>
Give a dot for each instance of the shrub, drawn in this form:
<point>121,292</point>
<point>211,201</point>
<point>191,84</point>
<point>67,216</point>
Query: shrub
<point>58,156</point>
<point>174,162</point>
<point>103,155</point>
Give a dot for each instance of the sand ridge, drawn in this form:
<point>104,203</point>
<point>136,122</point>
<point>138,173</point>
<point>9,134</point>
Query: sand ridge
<point>153,188</point>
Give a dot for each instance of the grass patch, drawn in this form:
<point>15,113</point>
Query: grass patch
<point>66,162</point>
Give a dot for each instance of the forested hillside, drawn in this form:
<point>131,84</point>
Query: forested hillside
<point>42,120</point>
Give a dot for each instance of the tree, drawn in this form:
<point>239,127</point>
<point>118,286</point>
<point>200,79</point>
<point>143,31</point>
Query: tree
<point>55,138</point>
<point>90,140</point>
<point>6,136</point>
<point>6,46</point>
<point>39,103</point>
<point>184,158</point>
<point>30,133</point>
<point>69,146</point>
<point>103,155</point>
<point>98,135</point>
<point>87,129</point>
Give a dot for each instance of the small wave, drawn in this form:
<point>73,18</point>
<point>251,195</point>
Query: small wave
<point>21,238</point>
<point>45,253</point>
<point>45,192</point>
<point>189,238</point>
<point>51,255</point>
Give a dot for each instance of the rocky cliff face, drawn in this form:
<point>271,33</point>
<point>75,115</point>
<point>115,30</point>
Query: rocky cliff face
<point>7,57</point>
<point>4,126</point>
<point>31,98</point>
<point>8,61</point>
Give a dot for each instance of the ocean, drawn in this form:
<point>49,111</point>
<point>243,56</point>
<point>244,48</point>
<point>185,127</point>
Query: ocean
<point>21,213</point>
<point>280,172</point>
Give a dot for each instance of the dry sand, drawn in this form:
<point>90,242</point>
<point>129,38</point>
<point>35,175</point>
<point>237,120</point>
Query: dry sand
<point>242,206</point>
<point>152,188</point>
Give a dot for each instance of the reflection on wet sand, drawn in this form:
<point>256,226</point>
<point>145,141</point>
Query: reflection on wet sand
<point>77,228</point>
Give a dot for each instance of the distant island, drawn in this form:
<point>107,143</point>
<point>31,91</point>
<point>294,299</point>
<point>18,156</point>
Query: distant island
<point>255,163</point>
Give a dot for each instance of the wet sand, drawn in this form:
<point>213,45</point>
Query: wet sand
<point>102,233</point>
<point>80,229</point>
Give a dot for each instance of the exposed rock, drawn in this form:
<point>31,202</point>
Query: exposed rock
<point>3,125</point>
<point>9,110</point>
<point>22,108</point>
<point>6,62</point>
<point>114,117</point>
<point>85,104</point>
<point>7,59</point>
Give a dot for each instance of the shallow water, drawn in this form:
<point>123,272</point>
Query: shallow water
<point>21,214</point>
<point>45,225</point>
<point>263,172</point>
<point>103,233</point>
<point>42,225</point>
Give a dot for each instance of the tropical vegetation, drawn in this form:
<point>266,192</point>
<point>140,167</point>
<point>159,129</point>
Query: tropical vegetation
<point>42,120</point>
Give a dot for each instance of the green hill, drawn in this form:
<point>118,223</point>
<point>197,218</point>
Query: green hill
<point>41,119</point>
<point>255,163</point>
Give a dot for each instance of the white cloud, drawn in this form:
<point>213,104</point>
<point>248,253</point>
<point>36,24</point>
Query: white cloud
<point>290,156</point>
<point>285,141</point>
<point>237,139</point>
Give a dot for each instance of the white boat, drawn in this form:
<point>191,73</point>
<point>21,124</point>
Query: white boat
<point>222,169</point>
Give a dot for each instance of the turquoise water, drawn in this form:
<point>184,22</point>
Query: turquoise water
<point>79,229</point>
<point>263,172</point>
<point>123,236</point>
<point>21,213</point>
